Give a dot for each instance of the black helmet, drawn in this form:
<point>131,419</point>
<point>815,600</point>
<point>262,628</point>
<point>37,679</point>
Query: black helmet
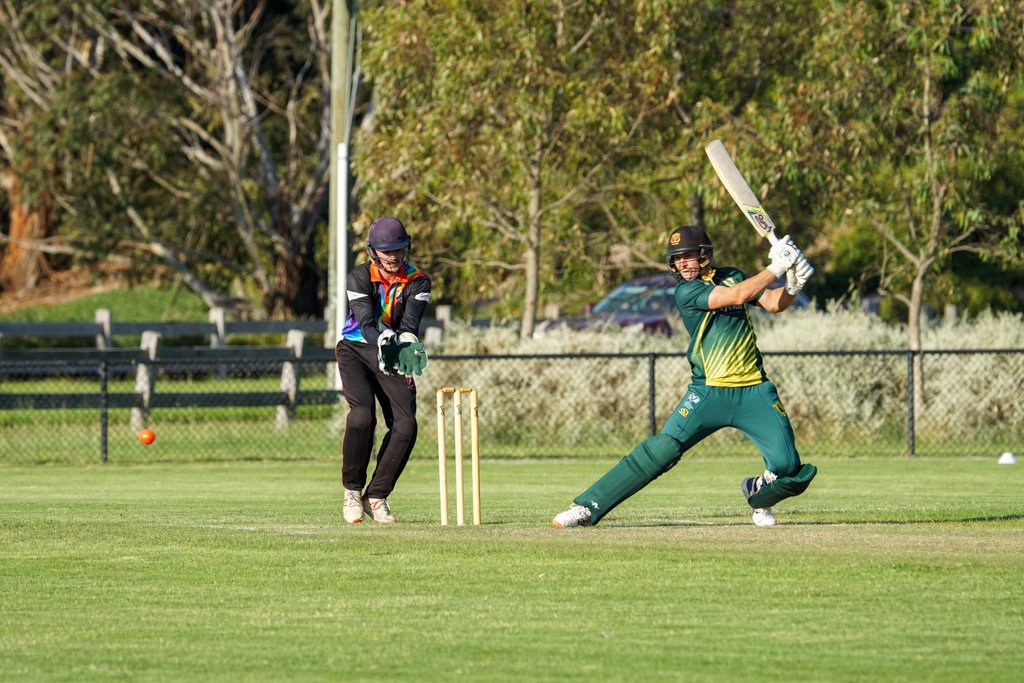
<point>689,238</point>
<point>388,234</point>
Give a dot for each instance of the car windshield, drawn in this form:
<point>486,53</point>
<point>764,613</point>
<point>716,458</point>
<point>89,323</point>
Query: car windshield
<point>638,298</point>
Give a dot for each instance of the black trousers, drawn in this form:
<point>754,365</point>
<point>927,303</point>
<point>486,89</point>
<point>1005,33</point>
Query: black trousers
<point>365,385</point>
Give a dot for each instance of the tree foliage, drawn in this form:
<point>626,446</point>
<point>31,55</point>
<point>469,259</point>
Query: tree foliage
<point>539,151</point>
<point>914,114</point>
<point>193,135</point>
<point>497,124</point>
<point>567,138</point>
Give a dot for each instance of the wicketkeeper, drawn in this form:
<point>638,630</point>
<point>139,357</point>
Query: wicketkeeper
<point>378,354</point>
<point>728,388</point>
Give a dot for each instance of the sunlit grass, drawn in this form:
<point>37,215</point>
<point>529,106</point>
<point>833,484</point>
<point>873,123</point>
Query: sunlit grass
<point>885,569</point>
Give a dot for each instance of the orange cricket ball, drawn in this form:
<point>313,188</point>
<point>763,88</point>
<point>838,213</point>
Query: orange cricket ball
<point>147,436</point>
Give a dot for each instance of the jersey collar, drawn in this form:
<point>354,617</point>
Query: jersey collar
<point>407,273</point>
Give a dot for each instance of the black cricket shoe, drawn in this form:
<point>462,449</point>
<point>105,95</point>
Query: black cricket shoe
<point>750,486</point>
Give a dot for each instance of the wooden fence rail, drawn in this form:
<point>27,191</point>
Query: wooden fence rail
<point>104,329</point>
<point>150,357</point>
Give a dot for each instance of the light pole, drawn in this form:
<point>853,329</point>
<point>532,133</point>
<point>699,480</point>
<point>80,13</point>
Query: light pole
<point>343,44</point>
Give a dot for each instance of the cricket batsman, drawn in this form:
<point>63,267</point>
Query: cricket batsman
<point>728,388</point>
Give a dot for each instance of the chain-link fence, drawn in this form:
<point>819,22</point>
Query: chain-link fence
<point>88,409</point>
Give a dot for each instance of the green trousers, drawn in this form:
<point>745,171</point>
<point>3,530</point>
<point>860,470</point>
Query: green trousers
<point>756,411</point>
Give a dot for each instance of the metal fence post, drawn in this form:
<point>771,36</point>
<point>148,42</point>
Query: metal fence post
<point>103,411</point>
<point>651,358</point>
<point>910,401</point>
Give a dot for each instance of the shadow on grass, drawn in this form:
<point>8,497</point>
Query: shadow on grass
<point>837,522</point>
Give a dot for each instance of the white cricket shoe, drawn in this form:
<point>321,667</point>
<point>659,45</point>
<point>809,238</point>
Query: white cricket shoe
<point>576,515</point>
<point>764,517</point>
<point>378,509</point>
<point>352,507</point>
<point>750,486</point>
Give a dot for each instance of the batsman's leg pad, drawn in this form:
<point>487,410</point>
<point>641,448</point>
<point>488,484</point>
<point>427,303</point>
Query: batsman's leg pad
<point>649,460</point>
<point>656,454</point>
<point>783,488</point>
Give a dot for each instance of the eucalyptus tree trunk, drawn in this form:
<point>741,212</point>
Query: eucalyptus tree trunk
<point>24,263</point>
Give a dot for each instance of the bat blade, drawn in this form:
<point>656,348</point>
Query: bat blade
<point>741,193</point>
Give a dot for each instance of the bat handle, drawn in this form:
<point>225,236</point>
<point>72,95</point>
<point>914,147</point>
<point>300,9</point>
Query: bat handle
<point>772,238</point>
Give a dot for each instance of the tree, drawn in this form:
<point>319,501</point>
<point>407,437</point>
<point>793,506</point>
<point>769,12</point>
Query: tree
<point>731,62</point>
<point>255,81</point>
<point>910,104</point>
<point>190,134</point>
<point>29,83</point>
<point>495,122</point>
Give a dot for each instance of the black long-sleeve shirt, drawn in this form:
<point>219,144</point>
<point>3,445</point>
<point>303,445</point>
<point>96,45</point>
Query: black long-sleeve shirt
<point>375,306</point>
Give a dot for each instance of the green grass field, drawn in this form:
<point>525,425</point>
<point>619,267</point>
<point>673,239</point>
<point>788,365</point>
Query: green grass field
<point>140,302</point>
<point>886,570</point>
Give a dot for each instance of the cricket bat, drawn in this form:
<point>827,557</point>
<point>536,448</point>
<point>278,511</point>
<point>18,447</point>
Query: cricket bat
<point>740,191</point>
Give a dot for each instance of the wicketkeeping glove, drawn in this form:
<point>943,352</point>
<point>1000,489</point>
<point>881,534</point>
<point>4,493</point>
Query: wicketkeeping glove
<point>387,352</point>
<point>783,255</point>
<point>412,355</point>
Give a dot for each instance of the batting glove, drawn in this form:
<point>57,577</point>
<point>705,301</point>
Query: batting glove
<point>783,255</point>
<point>804,271</point>
<point>791,244</point>
<point>798,275</point>
<point>792,286</point>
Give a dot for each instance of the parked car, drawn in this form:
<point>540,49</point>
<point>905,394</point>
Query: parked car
<point>646,304</point>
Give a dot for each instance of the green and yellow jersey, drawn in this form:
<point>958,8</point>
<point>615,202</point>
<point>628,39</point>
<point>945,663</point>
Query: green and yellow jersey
<point>723,347</point>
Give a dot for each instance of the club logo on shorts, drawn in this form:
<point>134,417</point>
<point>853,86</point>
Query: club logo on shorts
<point>688,403</point>
<point>778,406</point>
